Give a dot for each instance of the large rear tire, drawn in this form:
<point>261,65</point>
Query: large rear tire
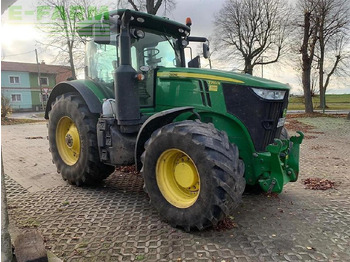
<point>192,174</point>
<point>73,141</point>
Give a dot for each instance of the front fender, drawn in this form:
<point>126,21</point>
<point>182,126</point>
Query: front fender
<point>153,123</point>
<point>92,94</point>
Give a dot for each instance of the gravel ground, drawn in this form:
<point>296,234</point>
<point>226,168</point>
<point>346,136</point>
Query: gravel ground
<point>114,222</point>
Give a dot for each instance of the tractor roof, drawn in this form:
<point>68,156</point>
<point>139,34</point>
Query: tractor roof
<point>108,21</point>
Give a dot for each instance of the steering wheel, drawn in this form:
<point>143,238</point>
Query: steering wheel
<point>149,50</point>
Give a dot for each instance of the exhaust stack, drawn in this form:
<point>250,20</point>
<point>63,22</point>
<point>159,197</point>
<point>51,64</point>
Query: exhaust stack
<point>126,92</point>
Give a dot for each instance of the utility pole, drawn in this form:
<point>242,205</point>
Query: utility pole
<point>262,66</point>
<point>39,79</point>
<point>324,102</point>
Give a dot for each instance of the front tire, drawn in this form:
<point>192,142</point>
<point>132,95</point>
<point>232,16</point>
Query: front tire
<point>73,141</point>
<point>192,174</point>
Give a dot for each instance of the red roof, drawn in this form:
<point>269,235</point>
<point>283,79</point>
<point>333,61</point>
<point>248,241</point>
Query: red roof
<point>61,72</point>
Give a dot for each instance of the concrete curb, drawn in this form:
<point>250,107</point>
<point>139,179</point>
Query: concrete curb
<point>6,247</point>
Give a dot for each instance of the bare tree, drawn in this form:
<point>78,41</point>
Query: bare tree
<point>309,32</point>
<point>323,25</point>
<point>63,23</point>
<point>149,6</point>
<point>62,27</point>
<point>255,30</point>
<point>332,38</point>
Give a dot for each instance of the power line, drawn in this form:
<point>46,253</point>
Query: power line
<point>19,54</point>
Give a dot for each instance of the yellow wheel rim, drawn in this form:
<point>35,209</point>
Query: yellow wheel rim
<point>68,140</point>
<point>177,178</point>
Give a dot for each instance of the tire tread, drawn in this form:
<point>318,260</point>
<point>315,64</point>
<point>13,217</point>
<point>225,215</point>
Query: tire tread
<point>94,171</point>
<point>223,159</point>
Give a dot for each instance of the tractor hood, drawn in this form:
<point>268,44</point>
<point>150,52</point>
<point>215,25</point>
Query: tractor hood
<point>221,76</point>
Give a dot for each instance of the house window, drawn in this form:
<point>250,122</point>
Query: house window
<point>14,79</point>
<point>44,81</point>
<point>16,97</point>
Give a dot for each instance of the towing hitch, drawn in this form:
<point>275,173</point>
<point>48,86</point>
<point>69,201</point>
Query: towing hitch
<point>280,164</point>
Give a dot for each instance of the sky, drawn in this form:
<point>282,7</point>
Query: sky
<point>20,37</point>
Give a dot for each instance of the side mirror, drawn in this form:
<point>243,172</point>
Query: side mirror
<point>205,50</point>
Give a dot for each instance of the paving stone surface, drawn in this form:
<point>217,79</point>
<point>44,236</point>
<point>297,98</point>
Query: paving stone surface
<point>27,158</point>
<point>115,222</point>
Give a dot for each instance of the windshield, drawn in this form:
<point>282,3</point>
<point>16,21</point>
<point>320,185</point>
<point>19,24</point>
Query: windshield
<point>155,49</point>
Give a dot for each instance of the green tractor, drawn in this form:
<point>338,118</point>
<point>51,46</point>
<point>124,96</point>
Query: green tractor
<point>198,136</point>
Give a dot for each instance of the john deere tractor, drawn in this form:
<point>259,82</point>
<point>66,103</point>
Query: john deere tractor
<point>198,136</point>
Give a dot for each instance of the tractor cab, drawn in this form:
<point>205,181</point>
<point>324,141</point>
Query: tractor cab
<point>149,50</point>
<point>149,43</point>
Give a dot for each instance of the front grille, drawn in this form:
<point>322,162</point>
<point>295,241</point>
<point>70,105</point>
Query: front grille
<point>260,116</point>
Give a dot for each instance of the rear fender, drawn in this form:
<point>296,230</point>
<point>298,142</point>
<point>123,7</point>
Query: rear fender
<point>92,94</point>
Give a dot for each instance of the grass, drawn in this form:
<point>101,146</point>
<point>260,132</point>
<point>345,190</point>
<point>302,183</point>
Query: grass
<point>83,244</point>
<point>65,203</point>
<point>29,222</point>
<point>14,121</point>
<point>334,102</point>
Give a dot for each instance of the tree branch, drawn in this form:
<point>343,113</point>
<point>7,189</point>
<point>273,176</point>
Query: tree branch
<point>133,5</point>
<point>338,58</point>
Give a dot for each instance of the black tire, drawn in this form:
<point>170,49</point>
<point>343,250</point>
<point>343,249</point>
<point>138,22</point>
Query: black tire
<point>218,166</point>
<point>86,169</point>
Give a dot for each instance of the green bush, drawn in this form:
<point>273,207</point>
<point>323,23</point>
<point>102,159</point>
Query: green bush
<point>5,106</point>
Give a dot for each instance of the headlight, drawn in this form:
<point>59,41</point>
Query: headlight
<point>137,33</point>
<point>269,94</point>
